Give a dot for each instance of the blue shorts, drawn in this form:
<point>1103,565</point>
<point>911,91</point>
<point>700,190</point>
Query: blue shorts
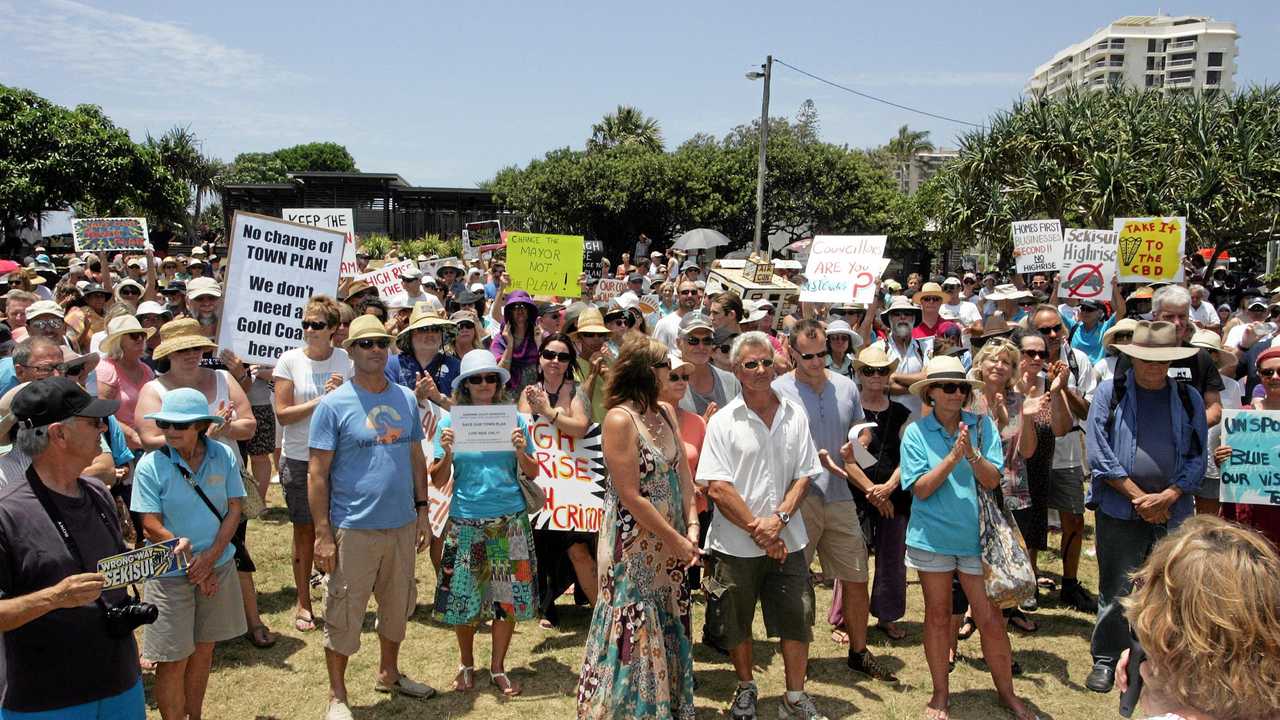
<point>128,705</point>
<point>925,561</point>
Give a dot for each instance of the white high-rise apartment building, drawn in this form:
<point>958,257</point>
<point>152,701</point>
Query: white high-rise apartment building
<point>1156,52</point>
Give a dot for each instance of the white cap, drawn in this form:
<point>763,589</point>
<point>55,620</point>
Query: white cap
<point>197,287</point>
<point>476,287</point>
<point>151,307</point>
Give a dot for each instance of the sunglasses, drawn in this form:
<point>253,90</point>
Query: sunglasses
<point>753,364</point>
<point>130,291</point>
<point>696,341</point>
<point>486,379</point>
<point>466,325</point>
<point>312,325</point>
<point>952,388</point>
<point>873,371</point>
<point>550,355</point>
<point>1050,330</point>
<point>810,356</point>
<point>167,425</point>
<point>688,292</point>
<point>45,324</point>
<point>664,365</point>
<point>593,335</point>
<point>1036,354</point>
<point>679,377</point>
<point>42,368</point>
<point>369,343</point>
<point>725,348</point>
<point>1268,372</point>
<point>71,371</point>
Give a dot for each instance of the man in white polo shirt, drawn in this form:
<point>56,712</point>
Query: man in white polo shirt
<point>757,461</point>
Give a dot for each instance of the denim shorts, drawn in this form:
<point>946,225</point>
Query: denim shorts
<point>925,561</point>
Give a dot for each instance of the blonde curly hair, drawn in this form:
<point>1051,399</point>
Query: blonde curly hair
<point>1206,608</point>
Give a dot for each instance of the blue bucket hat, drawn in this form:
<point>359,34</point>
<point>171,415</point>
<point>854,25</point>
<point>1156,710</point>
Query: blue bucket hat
<point>186,405</point>
<point>477,362</point>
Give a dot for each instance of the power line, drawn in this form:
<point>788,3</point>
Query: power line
<point>876,99</point>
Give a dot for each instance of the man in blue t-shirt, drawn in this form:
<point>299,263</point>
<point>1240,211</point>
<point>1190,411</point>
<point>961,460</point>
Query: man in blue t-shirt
<point>368,497</point>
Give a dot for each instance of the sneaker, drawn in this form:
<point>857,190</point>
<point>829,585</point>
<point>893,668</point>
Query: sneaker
<point>743,706</point>
<point>337,710</point>
<point>865,663</point>
<point>1073,595</point>
<point>802,709</point>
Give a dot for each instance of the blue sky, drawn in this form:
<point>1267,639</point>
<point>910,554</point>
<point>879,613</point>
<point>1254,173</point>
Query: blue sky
<point>448,93</point>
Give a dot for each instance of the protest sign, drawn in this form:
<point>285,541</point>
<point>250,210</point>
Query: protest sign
<point>141,564</point>
<point>273,269</point>
<point>1088,264</point>
<point>593,259</point>
<point>478,237</point>
<point>339,219</point>
<point>543,264</point>
<point>97,234</point>
<point>483,428</point>
<point>1252,474</point>
<point>1151,249</point>
<point>571,471</point>
<point>843,268</point>
<point>387,280</point>
<point>1037,245</point>
<point>610,288</point>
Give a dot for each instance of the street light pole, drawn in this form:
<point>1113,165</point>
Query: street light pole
<point>764,141</point>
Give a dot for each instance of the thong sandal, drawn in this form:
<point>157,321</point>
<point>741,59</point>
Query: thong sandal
<point>1022,622</point>
<point>503,683</point>
<point>967,628</point>
<point>465,679</point>
<point>892,630</point>
<point>261,637</point>
<point>304,622</point>
<point>839,636</point>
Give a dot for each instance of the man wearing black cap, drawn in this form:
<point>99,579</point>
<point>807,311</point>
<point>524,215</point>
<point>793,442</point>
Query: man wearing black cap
<point>55,525</point>
<point>175,298</point>
<point>1087,328</point>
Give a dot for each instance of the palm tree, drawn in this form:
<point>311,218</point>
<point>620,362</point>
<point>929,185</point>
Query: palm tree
<point>204,178</point>
<point>904,146</point>
<point>625,126</point>
<point>180,151</point>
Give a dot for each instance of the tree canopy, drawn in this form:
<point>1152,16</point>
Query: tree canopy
<point>626,126</point>
<point>273,167</point>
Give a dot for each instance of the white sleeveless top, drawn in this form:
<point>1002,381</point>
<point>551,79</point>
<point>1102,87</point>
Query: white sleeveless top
<point>221,395</point>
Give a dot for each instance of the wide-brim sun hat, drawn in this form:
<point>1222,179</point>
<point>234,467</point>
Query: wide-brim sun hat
<point>940,370</point>
<point>1156,342</point>
<point>181,334</point>
<point>1008,292</point>
<point>356,288</point>
<point>184,405</point>
<point>930,289</point>
<point>201,286</point>
<point>900,304</point>
<point>590,320</point>
<point>480,362</point>
<point>995,326</point>
<point>1122,326</point>
<point>874,356</point>
<point>120,326</point>
<point>425,316</point>
<point>365,327</point>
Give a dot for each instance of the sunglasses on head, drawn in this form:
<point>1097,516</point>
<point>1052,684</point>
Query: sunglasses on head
<point>550,355</point>
<point>313,325</point>
<point>1036,354</point>
<point>369,343</point>
<point>679,377</point>
<point>753,364</point>
<point>810,356</point>
<point>168,425</point>
<point>873,371</point>
<point>951,388</point>
<point>486,379</point>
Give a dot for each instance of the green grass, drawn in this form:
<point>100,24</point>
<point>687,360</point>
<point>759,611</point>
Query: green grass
<point>288,680</point>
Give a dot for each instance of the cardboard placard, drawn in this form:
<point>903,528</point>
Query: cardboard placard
<point>478,237</point>
<point>843,268</point>
<point>1151,249</point>
<point>1037,245</point>
<point>1252,474</point>
<point>339,219</point>
<point>545,264</point>
<point>142,564</point>
<point>273,269</point>
<point>571,471</point>
<point>483,428</point>
<point>110,234</point>
<point>387,280</point>
<point>609,288</point>
<point>1088,264</point>
<point>593,259</point>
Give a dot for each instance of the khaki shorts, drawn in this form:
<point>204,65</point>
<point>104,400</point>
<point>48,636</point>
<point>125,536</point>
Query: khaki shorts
<point>734,585</point>
<point>370,562</point>
<point>835,537</point>
<point>188,617</point>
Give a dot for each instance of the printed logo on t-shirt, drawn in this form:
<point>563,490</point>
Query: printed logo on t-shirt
<point>383,419</point>
<point>215,479</point>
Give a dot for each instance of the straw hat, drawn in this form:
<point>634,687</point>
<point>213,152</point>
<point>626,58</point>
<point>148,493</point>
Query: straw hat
<point>1125,325</point>
<point>943,369</point>
<point>425,316</point>
<point>874,356</point>
<point>181,334</point>
<point>355,288</point>
<point>930,289</point>
<point>1212,341</point>
<point>590,320</point>
<point>120,326</point>
<point>995,326</point>
<point>1156,342</point>
<point>900,304</point>
<point>1009,292</point>
<point>364,327</point>
<point>185,405</point>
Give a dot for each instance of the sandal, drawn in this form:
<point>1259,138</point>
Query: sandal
<point>304,622</point>
<point>892,630</point>
<point>261,637</point>
<point>1022,622</point>
<point>933,713</point>
<point>1047,583</point>
<point>546,624</point>
<point>839,636</point>
<point>967,628</point>
<point>503,683</point>
<point>465,679</point>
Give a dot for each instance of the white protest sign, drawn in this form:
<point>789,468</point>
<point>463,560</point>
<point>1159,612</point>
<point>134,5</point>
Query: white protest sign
<point>273,269</point>
<point>387,280</point>
<point>610,288</point>
<point>571,471</point>
<point>1037,245</point>
<point>1088,264</point>
<point>844,268</point>
<point>339,219</point>
<point>483,428</point>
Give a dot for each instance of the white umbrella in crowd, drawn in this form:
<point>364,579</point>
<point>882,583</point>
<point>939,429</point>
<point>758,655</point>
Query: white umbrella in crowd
<point>700,239</point>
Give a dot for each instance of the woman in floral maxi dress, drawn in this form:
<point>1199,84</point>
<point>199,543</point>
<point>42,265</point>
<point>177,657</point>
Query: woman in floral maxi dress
<point>638,661</point>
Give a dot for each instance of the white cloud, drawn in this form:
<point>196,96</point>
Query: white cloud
<point>113,49</point>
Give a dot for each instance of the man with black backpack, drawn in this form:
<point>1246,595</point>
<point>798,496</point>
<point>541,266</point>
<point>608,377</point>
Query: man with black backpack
<point>1146,446</point>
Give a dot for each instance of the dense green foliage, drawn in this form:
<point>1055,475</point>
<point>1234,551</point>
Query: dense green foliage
<point>273,167</point>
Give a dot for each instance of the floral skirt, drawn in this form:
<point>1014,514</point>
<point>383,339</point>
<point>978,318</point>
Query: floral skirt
<point>488,571</point>
<point>638,661</point>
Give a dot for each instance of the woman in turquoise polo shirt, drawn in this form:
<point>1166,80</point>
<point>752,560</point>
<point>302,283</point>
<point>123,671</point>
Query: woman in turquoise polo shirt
<point>945,456</point>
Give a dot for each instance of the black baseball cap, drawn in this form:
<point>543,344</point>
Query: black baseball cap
<point>174,286</point>
<point>1091,304</point>
<point>56,399</point>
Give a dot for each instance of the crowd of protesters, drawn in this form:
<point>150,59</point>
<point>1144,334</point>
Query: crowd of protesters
<point>742,438</point>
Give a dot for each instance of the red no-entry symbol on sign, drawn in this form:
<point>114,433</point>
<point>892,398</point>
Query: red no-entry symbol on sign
<point>1084,281</point>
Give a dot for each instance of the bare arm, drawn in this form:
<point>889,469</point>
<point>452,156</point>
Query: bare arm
<point>287,412</point>
<point>318,489</point>
<point>243,426</point>
<point>103,467</point>
<point>620,441</point>
<point>148,433</point>
<point>72,591</point>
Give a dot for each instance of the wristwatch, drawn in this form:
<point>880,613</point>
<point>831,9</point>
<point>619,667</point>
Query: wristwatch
<point>421,504</point>
<point>784,516</point>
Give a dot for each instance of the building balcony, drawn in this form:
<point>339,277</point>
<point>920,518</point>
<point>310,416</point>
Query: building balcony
<point>1179,81</point>
<point>1181,63</point>
<point>1181,45</point>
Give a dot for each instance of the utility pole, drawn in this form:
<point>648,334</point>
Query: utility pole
<point>764,141</point>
